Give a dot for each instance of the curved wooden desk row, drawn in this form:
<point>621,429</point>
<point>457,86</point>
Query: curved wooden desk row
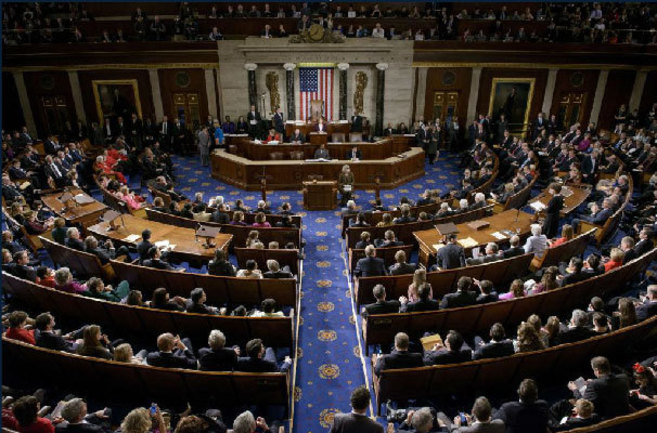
<point>72,212</point>
<point>274,331</point>
<point>373,218</point>
<point>487,374</point>
<point>381,149</point>
<point>243,173</point>
<point>238,234</point>
<point>405,232</point>
<point>517,200</point>
<point>219,290</point>
<point>140,383</point>
<point>387,254</point>
<point>640,421</point>
<point>381,329</point>
<point>580,192</point>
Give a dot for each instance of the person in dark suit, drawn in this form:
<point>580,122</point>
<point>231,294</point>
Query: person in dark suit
<point>401,267</point>
<point>609,393</point>
<point>424,303</point>
<point>381,306</point>
<point>354,154</point>
<point>370,265</point>
<point>583,416</point>
<point>365,240</point>
<point>144,245</point>
<point>577,328</point>
<point>497,347</point>
<point>514,248</point>
<point>221,216</point>
<point>648,307</point>
<point>451,255</point>
<point>493,254</point>
<point>357,420</point>
<point>275,271</point>
<point>398,358</point>
<point>196,303</point>
<point>463,295</point>
<point>574,273</point>
<point>78,420</point>
<point>598,216</point>
<point>172,353</point>
<point>73,240</point>
<point>452,352</point>
<point>104,254</point>
<point>165,133</point>
<point>46,336</point>
<point>217,357</point>
<point>21,268</point>
<point>553,211</point>
<point>277,121</point>
<point>487,293</point>
<point>356,123</point>
<point>528,414</point>
<point>645,243</point>
<point>253,119</point>
<point>220,266</point>
<point>261,360</point>
<point>155,260</point>
<point>389,240</point>
<point>297,137</point>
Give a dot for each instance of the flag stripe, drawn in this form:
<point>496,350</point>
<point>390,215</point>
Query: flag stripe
<point>315,84</point>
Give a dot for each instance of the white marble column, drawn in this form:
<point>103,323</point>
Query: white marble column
<point>154,78</point>
<point>549,91</point>
<point>637,90</point>
<point>25,103</point>
<point>599,96</point>
<point>420,95</point>
<point>474,96</point>
<point>77,96</point>
<point>211,93</point>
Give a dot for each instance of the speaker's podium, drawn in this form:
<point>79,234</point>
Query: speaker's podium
<point>320,194</point>
<point>318,138</point>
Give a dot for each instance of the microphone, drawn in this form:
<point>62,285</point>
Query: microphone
<point>517,215</point>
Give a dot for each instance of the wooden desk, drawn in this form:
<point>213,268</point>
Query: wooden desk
<point>320,195</point>
<point>501,221</point>
<point>289,174</point>
<point>570,203</point>
<point>318,138</point>
<point>84,214</point>
<point>187,247</point>
<point>309,127</point>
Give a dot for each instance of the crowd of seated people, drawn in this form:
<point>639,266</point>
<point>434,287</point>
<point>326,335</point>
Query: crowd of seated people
<point>585,23</point>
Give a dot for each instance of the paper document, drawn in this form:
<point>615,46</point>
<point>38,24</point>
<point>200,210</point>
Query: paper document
<point>468,243</point>
<point>498,235</point>
<point>537,206</point>
<point>83,199</point>
<point>566,192</point>
<point>162,244</point>
<point>132,238</point>
<point>430,340</point>
<point>437,246</point>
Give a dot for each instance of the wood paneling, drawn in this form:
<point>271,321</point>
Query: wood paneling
<point>649,95</point>
<point>169,86</point>
<point>12,113</point>
<point>485,86</point>
<point>617,92</point>
<point>437,82</point>
<point>143,82</point>
<point>48,84</point>
<point>567,81</point>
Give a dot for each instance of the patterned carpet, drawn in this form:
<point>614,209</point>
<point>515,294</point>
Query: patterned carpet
<point>329,363</point>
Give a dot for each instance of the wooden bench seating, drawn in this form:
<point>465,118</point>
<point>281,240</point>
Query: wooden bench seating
<point>219,290</point>
<point>274,331</point>
<point>640,421</point>
<point>139,383</point>
<point>387,254</point>
<point>486,186</point>
<point>517,200</point>
<point>404,232</point>
<point>79,262</point>
<point>32,241</point>
<point>373,218</point>
<point>381,329</point>
<point>284,257</point>
<point>487,374</point>
<point>282,235</point>
<point>561,253</point>
<point>442,282</point>
<point>610,224</point>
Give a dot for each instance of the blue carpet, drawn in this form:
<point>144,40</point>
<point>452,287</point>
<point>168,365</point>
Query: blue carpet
<point>329,363</point>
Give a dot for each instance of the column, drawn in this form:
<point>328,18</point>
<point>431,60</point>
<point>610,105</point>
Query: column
<point>77,96</point>
<point>549,92</point>
<point>474,96</point>
<point>211,93</point>
<point>289,90</point>
<point>637,90</point>
<point>251,77</point>
<point>154,78</point>
<point>380,87</point>
<point>25,103</point>
<point>599,96</point>
<point>343,67</point>
<point>420,96</point>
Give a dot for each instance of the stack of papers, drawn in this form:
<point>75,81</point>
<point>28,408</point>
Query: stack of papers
<point>131,238</point>
<point>468,243</point>
<point>566,192</point>
<point>437,246</point>
<point>498,235</point>
<point>537,206</point>
<point>83,199</point>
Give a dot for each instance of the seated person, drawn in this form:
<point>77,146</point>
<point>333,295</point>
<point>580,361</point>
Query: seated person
<point>405,216</point>
<point>250,271</point>
<point>155,261</point>
<point>261,220</point>
<point>381,306</point>
<point>386,220</point>
<point>133,201</point>
<point>95,343</point>
<point>286,221</point>
<point>567,233</point>
<point>297,137</point>
<point>20,266</point>
<point>286,209</point>
<point>47,337</point>
<point>401,266</point>
<point>424,302</point>
<point>64,281</point>
<point>493,254</point>
<point>158,205</point>
<point>97,289</point>
<point>370,265</point>
<point>172,353</point>
<point>217,357</point>
<point>365,240</point>
<point>196,303</point>
<point>273,137</point>
<point>444,210</point>
<point>537,242</point>
<point>616,257</point>
<point>275,270</point>
<point>452,352</point>
<point>487,293</point>
<point>267,309</point>
<point>608,392</point>
<point>106,252</point>
<point>45,276</point>
<point>577,329</point>
<point>354,154</point>
<point>582,416</point>
<point>260,359</point>
<point>389,240</point>
<point>144,246</point>
<point>528,413</point>
<point>17,329</point>
<point>35,227</point>
<point>497,347</point>
<point>220,216</point>
<point>58,233</point>
<point>220,265</point>
<point>322,152</point>
<point>359,221</point>
<point>463,295</point>
<point>573,273</point>
<point>73,239</point>
<point>400,357</point>
<point>517,290</point>
<point>252,239</point>
<point>514,248</point>
<point>161,301</point>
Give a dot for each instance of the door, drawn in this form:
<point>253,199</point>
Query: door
<point>186,107</point>
<point>571,108</point>
<point>445,104</point>
<point>54,112</point>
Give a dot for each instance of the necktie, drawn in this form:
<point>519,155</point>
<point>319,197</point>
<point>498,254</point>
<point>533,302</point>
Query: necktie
<point>56,170</point>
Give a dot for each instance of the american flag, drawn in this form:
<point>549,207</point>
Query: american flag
<point>316,83</point>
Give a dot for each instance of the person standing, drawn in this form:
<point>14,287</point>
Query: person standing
<point>357,420</point>
<point>553,211</point>
<point>431,147</point>
<point>204,146</point>
<point>345,184</point>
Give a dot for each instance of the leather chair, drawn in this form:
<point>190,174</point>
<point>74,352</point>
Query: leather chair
<point>276,156</point>
<point>296,154</point>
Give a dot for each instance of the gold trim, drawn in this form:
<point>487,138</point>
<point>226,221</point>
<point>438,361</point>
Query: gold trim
<point>316,65</point>
<point>99,107</point>
<point>529,66</point>
<point>144,66</point>
<point>530,96</point>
